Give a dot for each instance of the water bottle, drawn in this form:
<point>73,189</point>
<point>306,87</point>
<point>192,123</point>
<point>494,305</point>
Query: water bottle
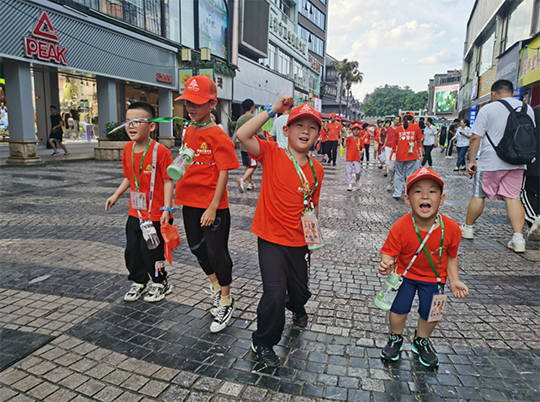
<point>149,234</point>
<point>386,296</point>
<point>179,166</point>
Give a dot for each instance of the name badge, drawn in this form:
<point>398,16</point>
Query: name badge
<point>312,233</point>
<point>438,302</point>
<point>138,200</point>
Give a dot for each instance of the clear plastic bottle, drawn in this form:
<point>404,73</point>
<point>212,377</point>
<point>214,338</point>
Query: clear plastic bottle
<point>386,296</point>
<point>180,164</point>
<point>150,234</point>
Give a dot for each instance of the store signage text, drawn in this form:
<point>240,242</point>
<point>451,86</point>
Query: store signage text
<point>315,64</point>
<point>44,50</point>
<point>164,78</point>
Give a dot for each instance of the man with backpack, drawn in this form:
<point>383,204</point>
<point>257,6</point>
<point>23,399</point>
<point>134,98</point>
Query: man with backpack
<point>506,130</point>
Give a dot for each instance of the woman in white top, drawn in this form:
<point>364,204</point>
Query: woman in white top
<point>215,118</point>
<point>430,141</point>
<point>463,135</point>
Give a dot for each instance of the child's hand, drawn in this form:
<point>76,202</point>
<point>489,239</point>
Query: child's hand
<point>386,266</point>
<point>459,289</point>
<point>110,202</point>
<point>165,216</point>
<point>283,103</point>
<point>208,217</point>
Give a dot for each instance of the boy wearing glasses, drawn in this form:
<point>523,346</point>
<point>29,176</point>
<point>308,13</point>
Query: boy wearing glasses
<point>202,192</point>
<point>145,165</point>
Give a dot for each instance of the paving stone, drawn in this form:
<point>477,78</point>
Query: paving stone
<point>26,383</point>
<point>254,393</point>
<point>175,394</point>
<point>230,388</point>
<point>153,388</point>
<point>90,387</point>
<point>42,391</point>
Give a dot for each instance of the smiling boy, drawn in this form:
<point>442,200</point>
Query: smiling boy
<point>291,185</point>
<point>138,162</point>
<point>428,273</point>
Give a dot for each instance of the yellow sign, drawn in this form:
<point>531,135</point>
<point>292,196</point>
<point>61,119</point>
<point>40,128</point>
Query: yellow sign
<point>486,81</point>
<point>529,66</point>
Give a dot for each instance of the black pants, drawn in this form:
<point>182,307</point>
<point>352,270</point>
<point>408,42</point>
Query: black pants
<point>210,244</point>
<point>366,152</point>
<point>285,276</point>
<point>331,150</point>
<point>442,140</point>
<point>141,262</point>
<point>450,147</point>
<point>427,155</point>
<point>529,198</point>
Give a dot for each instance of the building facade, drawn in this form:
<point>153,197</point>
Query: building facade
<point>502,41</point>
<point>443,91</point>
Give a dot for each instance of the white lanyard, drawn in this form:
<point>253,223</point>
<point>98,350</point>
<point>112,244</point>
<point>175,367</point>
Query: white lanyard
<point>152,181</point>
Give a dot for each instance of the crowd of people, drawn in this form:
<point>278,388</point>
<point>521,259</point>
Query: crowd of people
<point>286,217</point>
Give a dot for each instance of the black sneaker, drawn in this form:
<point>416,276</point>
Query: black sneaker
<point>392,350</point>
<point>266,355</point>
<point>223,316</point>
<point>426,354</point>
<point>300,319</point>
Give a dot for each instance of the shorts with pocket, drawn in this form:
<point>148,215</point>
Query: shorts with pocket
<point>500,184</point>
<point>57,135</point>
<point>247,161</point>
<point>404,299</point>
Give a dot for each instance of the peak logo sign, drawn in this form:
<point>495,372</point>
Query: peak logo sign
<point>42,49</point>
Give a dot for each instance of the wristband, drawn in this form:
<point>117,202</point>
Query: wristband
<point>268,108</point>
<point>168,209</point>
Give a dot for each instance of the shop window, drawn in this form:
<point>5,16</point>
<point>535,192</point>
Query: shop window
<point>173,18</point>
<point>134,12</point>
<point>519,23</point>
<point>486,56</point>
<point>78,107</point>
<point>112,7</point>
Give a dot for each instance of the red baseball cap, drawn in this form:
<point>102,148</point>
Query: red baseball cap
<point>332,115</point>
<point>424,173</point>
<point>356,124</point>
<point>199,89</point>
<point>303,111</point>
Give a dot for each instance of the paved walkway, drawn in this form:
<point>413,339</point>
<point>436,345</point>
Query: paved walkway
<point>67,335</point>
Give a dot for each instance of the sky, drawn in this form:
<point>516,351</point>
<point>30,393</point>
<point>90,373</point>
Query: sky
<point>398,42</point>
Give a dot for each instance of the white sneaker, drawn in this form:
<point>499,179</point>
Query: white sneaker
<point>241,184</point>
<point>135,291</point>
<point>517,245</point>
<point>349,188</point>
<point>467,232</point>
<point>251,186</point>
<point>534,231</point>
<point>157,292</point>
<point>223,316</point>
<point>389,187</point>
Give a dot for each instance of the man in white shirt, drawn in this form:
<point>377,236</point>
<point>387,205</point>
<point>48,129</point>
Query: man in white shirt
<point>277,129</point>
<point>494,177</point>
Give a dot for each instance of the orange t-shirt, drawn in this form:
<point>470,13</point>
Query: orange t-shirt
<point>281,201</point>
<point>164,159</point>
<point>215,152</point>
<point>365,136</point>
<point>333,131</point>
<point>377,137</point>
<point>354,146</point>
<point>403,137</point>
<point>324,135</point>
<point>403,243</point>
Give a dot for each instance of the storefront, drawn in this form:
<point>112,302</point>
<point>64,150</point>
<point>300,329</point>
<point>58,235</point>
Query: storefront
<point>529,72</point>
<point>89,69</point>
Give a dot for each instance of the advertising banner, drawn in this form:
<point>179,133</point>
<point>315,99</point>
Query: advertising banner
<point>213,26</point>
<point>486,81</point>
<point>446,98</point>
<point>183,76</point>
<point>529,66</point>
<point>508,66</point>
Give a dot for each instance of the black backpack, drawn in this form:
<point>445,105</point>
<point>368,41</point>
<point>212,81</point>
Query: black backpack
<point>519,143</point>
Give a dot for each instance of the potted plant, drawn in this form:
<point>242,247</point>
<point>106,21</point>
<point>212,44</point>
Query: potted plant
<point>111,147</point>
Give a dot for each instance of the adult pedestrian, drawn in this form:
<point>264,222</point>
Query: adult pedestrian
<point>388,149</point>
<point>251,164</point>
<point>494,177</point>
<point>377,140</point>
<point>463,136</point>
<point>430,138</point>
<point>57,134</point>
<point>529,189</point>
<point>383,135</point>
<point>408,151</point>
<point>442,137</point>
<point>451,134</point>
<point>334,137</point>
<point>324,140</point>
<point>277,128</point>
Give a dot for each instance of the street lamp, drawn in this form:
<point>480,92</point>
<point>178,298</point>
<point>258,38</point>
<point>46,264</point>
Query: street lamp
<point>206,54</point>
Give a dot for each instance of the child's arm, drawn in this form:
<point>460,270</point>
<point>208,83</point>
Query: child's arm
<point>387,264</point>
<point>458,288</point>
<point>209,216</point>
<point>119,191</point>
<point>246,133</point>
<point>168,189</point>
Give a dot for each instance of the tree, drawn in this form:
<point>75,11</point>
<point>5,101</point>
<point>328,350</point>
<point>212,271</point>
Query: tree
<point>348,75</point>
<point>388,100</point>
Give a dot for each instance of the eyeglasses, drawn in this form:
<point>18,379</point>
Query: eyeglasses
<point>136,123</point>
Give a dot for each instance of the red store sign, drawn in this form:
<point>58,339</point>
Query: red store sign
<point>43,49</point>
<point>164,78</point>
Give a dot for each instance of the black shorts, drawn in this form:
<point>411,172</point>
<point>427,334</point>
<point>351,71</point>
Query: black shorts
<point>247,161</point>
<point>57,135</point>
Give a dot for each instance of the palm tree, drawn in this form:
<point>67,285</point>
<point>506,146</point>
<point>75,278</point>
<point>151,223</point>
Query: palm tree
<point>348,74</point>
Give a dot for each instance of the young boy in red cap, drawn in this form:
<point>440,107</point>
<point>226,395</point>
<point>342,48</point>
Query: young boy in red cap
<point>366,139</point>
<point>291,185</point>
<point>203,193</point>
<point>355,148</point>
<point>425,244</point>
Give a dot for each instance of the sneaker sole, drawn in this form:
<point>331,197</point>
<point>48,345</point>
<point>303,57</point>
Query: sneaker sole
<point>222,326</point>
<point>161,297</point>
<point>422,362</point>
<point>239,185</point>
<point>517,249</point>
<point>470,237</point>
<point>395,358</point>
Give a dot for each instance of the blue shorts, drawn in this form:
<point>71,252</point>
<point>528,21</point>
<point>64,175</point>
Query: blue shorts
<point>404,299</point>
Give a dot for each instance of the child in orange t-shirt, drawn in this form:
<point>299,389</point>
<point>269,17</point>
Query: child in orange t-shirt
<point>334,138</point>
<point>203,193</point>
<point>355,148</point>
<point>156,206</point>
<point>408,139</point>
<point>291,185</point>
<point>424,275</point>
<point>324,141</point>
<point>365,134</point>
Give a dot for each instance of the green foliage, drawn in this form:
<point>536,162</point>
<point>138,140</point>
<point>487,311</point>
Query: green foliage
<point>389,99</point>
<point>219,68</point>
<point>119,135</point>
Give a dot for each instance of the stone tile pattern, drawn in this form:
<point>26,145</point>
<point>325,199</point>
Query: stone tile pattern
<point>14,345</point>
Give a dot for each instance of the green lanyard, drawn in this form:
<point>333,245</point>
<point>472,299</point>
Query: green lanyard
<point>427,252</point>
<point>358,143</point>
<point>137,182</point>
<point>304,181</point>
